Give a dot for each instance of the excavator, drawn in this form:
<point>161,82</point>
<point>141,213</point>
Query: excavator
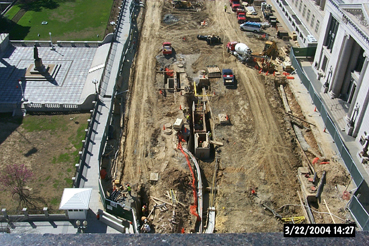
<point>270,49</point>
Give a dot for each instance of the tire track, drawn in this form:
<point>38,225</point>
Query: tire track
<point>142,98</point>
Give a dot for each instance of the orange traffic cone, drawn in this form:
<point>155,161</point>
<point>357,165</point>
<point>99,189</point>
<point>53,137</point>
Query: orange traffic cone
<point>315,109</point>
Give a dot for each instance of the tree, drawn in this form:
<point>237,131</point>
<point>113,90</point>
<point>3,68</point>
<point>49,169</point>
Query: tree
<point>14,177</point>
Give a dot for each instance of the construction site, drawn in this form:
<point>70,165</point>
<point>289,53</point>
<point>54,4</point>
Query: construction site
<point>215,138</point>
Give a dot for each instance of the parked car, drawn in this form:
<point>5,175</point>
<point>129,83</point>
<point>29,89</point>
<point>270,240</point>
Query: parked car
<point>251,26</point>
<point>228,77</point>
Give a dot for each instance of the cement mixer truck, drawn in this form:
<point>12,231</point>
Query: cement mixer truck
<point>240,50</point>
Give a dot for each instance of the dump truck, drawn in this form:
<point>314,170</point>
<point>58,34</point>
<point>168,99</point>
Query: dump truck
<point>228,77</point>
<point>167,48</point>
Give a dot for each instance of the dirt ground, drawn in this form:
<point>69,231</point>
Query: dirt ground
<point>46,145</point>
<point>260,149</point>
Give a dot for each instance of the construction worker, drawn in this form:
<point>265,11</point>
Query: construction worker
<point>129,189</point>
<point>225,7</point>
<point>200,121</point>
<point>188,118</point>
<point>144,209</point>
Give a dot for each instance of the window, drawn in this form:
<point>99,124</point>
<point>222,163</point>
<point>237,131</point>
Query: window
<point>293,1</point>
<point>300,5</point>
<point>330,34</point>
<point>308,15</point>
<point>297,2</point>
<point>312,21</point>
<point>304,11</point>
<point>317,26</point>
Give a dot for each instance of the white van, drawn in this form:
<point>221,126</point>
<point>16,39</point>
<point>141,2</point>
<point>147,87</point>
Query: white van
<point>251,26</point>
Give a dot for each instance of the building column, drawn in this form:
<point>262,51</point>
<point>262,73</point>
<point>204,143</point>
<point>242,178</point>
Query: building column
<point>353,111</point>
<point>322,4</point>
<point>358,84</point>
<point>361,115</point>
<point>354,55</point>
<point>341,68</point>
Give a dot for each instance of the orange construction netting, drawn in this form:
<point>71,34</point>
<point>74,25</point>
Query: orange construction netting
<point>193,207</point>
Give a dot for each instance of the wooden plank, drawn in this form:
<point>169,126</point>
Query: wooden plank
<point>284,100</point>
<point>329,211</point>
<point>303,208</point>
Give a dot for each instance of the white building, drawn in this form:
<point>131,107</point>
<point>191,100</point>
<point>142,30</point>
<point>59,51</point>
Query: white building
<point>341,61</point>
<point>303,17</point>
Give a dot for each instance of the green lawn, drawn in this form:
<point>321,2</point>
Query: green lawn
<point>79,20</point>
<point>11,12</point>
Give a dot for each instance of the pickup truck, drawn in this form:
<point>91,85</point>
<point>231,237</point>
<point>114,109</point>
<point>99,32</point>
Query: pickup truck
<point>228,77</point>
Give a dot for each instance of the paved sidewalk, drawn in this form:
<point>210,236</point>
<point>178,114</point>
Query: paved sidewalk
<point>91,168</point>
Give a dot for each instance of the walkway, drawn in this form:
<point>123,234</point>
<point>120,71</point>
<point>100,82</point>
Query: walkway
<point>91,169</point>
<point>337,109</point>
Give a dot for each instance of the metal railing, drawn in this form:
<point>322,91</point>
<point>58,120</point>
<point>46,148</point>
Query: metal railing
<point>85,148</point>
<point>110,206</point>
<point>340,144</point>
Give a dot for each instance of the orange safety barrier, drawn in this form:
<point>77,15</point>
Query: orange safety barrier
<point>290,77</point>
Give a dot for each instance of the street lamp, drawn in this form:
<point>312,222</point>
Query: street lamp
<point>51,42</point>
<point>95,81</point>
<point>81,227</point>
<point>21,86</point>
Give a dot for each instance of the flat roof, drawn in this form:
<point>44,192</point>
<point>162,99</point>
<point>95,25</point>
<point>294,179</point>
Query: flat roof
<point>72,82</point>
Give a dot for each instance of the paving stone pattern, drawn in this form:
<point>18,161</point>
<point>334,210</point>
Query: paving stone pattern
<point>69,82</point>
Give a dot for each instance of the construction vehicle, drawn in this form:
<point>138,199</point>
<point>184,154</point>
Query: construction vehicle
<point>240,50</point>
<point>228,77</point>
<point>270,49</point>
<point>210,39</point>
<point>241,16</point>
<point>245,55</point>
<point>235,5</point>
<point>178,4</point>
<point>167,48</point>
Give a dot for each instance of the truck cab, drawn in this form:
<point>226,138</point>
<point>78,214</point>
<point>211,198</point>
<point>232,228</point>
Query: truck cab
<point>167,48</point>
<point>235,5</point>
<point>241,16</point>
<point>231,46</point>
<point>228,77</point>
